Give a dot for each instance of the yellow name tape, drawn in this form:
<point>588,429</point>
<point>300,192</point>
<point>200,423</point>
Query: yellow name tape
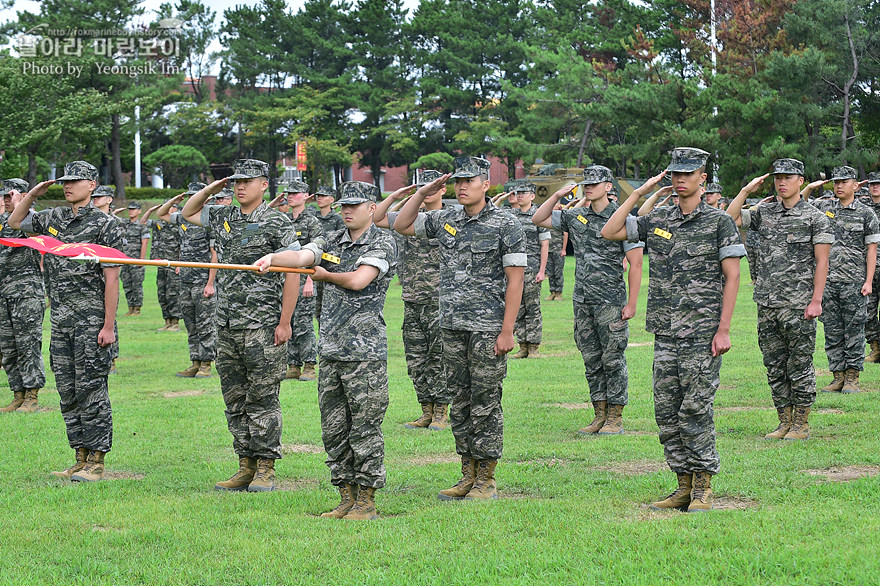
<point>183,226</point>
<point>829,214</point>
<point>226,226</point>
<point>582,219</point>
<point>330,258</point>
<point>662,233</point>
<point>53,231</point>
<point>450,229</point>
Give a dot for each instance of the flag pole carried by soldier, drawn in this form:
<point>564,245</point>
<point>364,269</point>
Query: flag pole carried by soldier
<point>135,246</point>
<point>166,245</point>
<point>83,311</point>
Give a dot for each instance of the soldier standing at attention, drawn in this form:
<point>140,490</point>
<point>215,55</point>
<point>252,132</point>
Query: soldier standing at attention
<point>872,326</point>
<point>794,241</point>
<point>22,298</point>
<point>556,261</point>
<point>529,322</point>
<point>419,272</point>
<point>693,254</point>
<point>713,196</point>
<point>253,319</point>
<point>83,300</point>
<point>135,246</point>
<point>357,264</point>
<point>166,246</point>
<point>601,306</point>
<point>482,262</point>
<point>330,222</point>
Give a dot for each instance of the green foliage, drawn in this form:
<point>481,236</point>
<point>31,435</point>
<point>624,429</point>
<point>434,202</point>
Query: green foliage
<point>438,161</point>
<point>179,164</point>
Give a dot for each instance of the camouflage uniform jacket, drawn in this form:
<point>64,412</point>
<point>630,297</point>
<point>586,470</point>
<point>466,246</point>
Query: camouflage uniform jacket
<point>855,227</point>
<point>684,260</point>
<point>307,226</point>
<point>20,274</point>
<point>598,273</point>
<point>195,246</point>
<point>352,323</point>
<point>166,240</point>
<point>418,266</point>
<point>556,237</point>
<point>534,235</point>
<point>77,291</point>
<point>330,222</point>
<point>474,251</point>
<point>247,299</point>
<point>135,233</point>
<point>786,263</point>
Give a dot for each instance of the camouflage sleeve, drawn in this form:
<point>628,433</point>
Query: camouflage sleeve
<point>211,214</point>
<point>637,228</point>
<point>872,228</point>
<point>627,246</point>
<point>513,244</point>
<point>543,233</point>
<point>36,222</point>
<point>729,242</point>
<point>822,231</point>
<point>145,232</point>
<point>382,254</point>
<point>112,235</point>
<point>391,216</point>
<point>316,247</point>
<point>427,225</point>
<point>558,220</point>
<point>746,216</point>
<point>315,229</point>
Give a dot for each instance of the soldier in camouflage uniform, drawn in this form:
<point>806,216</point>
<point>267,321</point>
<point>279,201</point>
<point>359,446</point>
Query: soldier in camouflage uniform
<point>102,198</point>
<point>357,265</point>
<point>166,246</point>
<point>694,253</point>
<point>253,319</point>
<point>556,261</point>
<point>330,222</point>
<point>601,306</point>
<point>482,262</point>
<point>713,195</point>
<point>529,321</point>
<point>21,310</point>
<point>135,246</point>
<point>795,239</point>
<point>83,310</point>
<point>872,325</point>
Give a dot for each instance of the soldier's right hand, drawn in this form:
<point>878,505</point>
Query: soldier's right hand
<point>433,186</point>
<point>264,263</point>
<point>564,190</point>
<point>277,201</point>
<point>40,189</point>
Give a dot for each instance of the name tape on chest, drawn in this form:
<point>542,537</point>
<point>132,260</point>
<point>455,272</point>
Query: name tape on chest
<point>330,258</point>
<point>299,233</point>
<point>829,214</point>
<point>226,227</point>
<point>662,233</point>
<point>450,229</point>
<point>158,227</point>
<point>53,231</point>
<point>582,220</point>
<point>183,227</point>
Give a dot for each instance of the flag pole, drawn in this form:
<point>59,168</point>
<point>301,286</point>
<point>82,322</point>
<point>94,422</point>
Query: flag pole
<point>180,263</point>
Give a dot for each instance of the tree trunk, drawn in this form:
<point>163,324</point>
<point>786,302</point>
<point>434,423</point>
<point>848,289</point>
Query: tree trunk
<point>116,158</point>
<point>847,88</point>
<point>32,169</point>
<point>586,135</point>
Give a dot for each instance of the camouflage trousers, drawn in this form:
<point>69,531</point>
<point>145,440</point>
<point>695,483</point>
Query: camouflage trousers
<point>251,368</point>
<point>319,299</point>
<point>474,376</point>
<point>686,378</point>
<point>844,311</point>
<point>529,322</point>
<point>81,368</point>
<point>302,347</point>
<point>555,271</point>
<point>423,348</point>
<point>198,314</point>
<point>601,336</point>
<point>114,347</point>
<point>168,291</point>
<point>787,342</point>
<point>132,278</point>
<point>872,325</point>
<point>353,398</point>
<point>21,342</point>
<point>751,253</point>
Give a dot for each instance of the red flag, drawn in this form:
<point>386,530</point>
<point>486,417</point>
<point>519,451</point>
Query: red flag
<point>47,244</point>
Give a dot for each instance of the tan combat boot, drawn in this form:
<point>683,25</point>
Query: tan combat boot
<point>874,354</point>
<point>614,421</point>
<point>113,369</point>
<point>17,400</point>
<point>440,419</point>
<point>204,369</point>
<point>523,352</point>
<point>784,424</point>
<point>165,327</point>
<point>264,477</point>
<point>81,455</point>
<point>463,486</point>
<point>93,470</point>
<point>533,349</point>
<point>174,325</point>
<point>191,371</point>
<point>800,426</point>
<point>701,493</point>
<point>601,410</point>
<point>31,403</point>
<point>308,371</point>
<point>836,383</point>
<point>850,382</point>
<point>680,498</point>
<point>484,485</point>
<point>247,467</point>
<point>551,297</point>
<point>348,494</point>
<point>129,312</point>
<point>293,372</point>
<point>364,508</point>
<point>425,419</point>
<point>136,310</point>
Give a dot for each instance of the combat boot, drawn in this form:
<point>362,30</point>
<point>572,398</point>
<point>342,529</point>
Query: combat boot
<point>293,372</point>
<point>523,352</point>
<point>364,508</point>
<point>850,382</point>
<point>613,422</point>
<point>800,426</point>
<point>174,325</point>
<point>308,371</point>
<point>680,498</point>
<point>17,400</point>
<point>81,455</point>
<point>533,349</point>
<point>204,369</point>
<point>874,354</point>
<point>30,401</point>
<point>701,493</point>
<point>484,485</point>
<point>440,419</point>
<point>165,327</point>
<point>264,477</point>
<point>463,486</point>
<point>130,311</point>
<point>601,410</point>
<point>113,369</point>
<point>425,419</point>
<point>247,467</point>
<point>551,297</point>
<point>836,383</point>
<point>348,494</point>
<point>191,371</point>
<point>784,423</point>
<point>136,310</point>
<point>93,470</point>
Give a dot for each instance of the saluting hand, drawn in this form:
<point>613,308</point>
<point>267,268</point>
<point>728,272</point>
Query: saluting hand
<point>40,189</point>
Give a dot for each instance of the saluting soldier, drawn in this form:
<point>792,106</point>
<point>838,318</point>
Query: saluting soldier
<point>713,196</point>
<point>136,237</point>
<point>166,246</point>
<point>556,261</point>
<point>102,198</point>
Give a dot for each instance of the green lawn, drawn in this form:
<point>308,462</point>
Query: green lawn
<point>573,509</point>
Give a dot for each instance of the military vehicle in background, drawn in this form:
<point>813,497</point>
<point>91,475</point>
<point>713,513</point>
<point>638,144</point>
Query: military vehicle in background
<point>550,177</point>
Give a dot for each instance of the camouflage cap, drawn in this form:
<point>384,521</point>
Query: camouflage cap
<point>509,186</point>
<point>614,191</point>
<point>687,160</point>
<point>355,192</point>
<point>79,170</point>
<point>787,167</point>
<point>194,187</point>
<point>248,169</point>
<point>104,191</point>
<point>296,186</point>
<point>713,188</point>
<point>597,174</point>
<point>225,193</point>
<point>8,185</point>
<point>843,173</point>
<point>135,205</point>
<point>425,176</point>
<point>467,167</point>
<point>325,191</point>
<point>525,187</point>
<point>874,177</point>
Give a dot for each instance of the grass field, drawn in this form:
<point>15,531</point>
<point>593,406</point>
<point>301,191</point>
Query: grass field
<point>573,509</point>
